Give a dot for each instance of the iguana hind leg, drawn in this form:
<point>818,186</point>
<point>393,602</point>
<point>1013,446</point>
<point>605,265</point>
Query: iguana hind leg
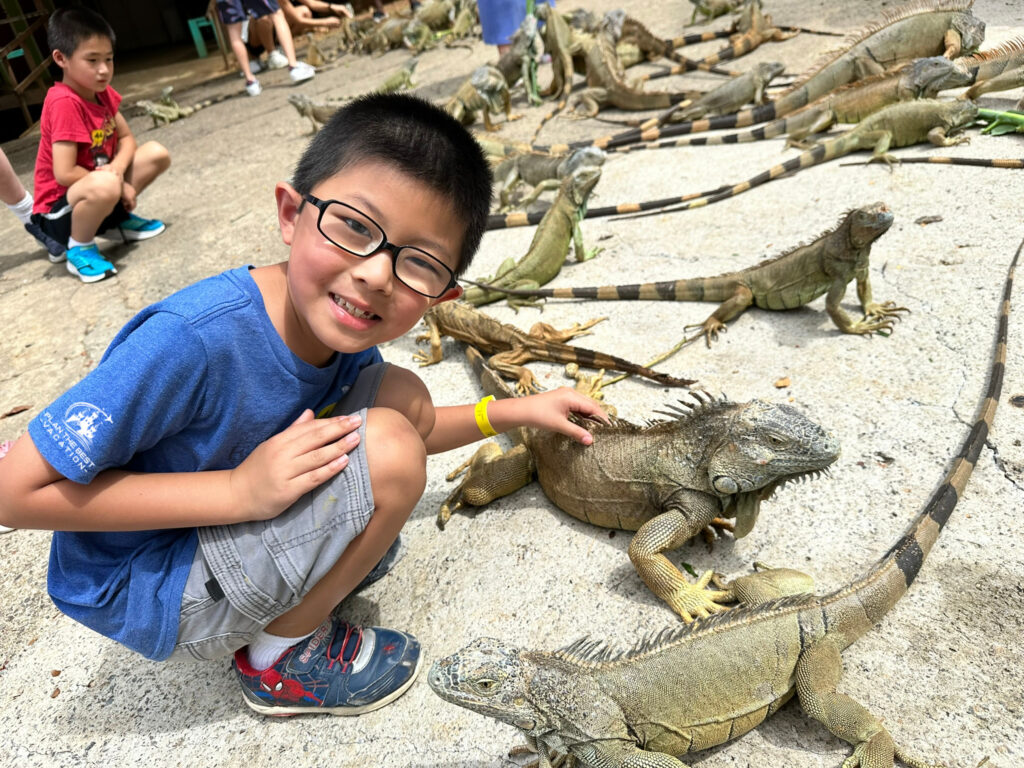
<point>668,531</point>
<point>766,583</point>
<point>547,332</point>
<point>818,671</point>
<point>489,474</point>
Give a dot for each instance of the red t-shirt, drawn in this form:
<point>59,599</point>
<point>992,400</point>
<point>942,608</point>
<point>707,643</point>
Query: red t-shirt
<point>68,117</point>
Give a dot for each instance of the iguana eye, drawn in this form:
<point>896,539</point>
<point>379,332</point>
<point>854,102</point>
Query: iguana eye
<point>777,441</point>
<point>486,685</point>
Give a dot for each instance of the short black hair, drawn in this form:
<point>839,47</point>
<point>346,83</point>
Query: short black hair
<point>414,136</point>
<point>68,28</point>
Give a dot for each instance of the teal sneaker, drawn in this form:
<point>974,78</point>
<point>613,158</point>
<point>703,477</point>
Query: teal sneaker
<point>134,228</point>
<point>86,263</point>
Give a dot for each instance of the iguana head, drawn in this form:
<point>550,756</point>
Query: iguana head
<point>926,77</point>
<point>867,224</point>
<point>592,156</point>
<point>612,23</point>
<point>582,182</point>
<point>972,31</point>
<point>765,445</point>
<point>961,113</point>
<point>487,677</point>
<point>769,70</point>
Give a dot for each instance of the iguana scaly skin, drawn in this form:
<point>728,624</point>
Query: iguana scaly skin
<point>919,29</point>
<point>462,26</point>
<point>998,69</point>
<point>689,688</point>
<point>509,347</point>
<point>418,36</point>
<point>561,45</point>
<point>167,110</point>
<point>540,171</point>
<point>436,14</point>
<point>519,62</point>
<point>823,267</point>
<point>653,47</point>
<point>921,79</point>
<point>731,95</point>
<point>402,79</point>
<point>752,29</point>
<point>558,231</point>
<point>712,9</point>
<point>898,125</point>
<point>486,93</point>
<point>667,480</point>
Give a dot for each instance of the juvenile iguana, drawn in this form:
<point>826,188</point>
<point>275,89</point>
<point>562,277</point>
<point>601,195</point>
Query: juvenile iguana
<point>823,267</point>
<point>667,479</point>
<point>750,87</point>
<point>484,93</point>
<point>916,30</point>
<point>167,110</point>
<point>712,9</point>
<point>752,29</point>
<point>558,230</point>
<point>898,125</point>
<point>509,347</point>
<point>689,688</point>
<point>400,79</point>
<point>540,171</point>
<point>318,112</point>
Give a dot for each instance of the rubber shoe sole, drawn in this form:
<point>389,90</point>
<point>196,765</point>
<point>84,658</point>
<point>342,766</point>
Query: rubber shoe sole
<point>278,711</point>
<point>121,235</point>
<point>91,278</point>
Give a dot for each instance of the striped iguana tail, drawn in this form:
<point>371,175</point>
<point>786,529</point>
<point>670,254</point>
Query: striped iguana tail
<point>850,611</point>
<point>980,162</point>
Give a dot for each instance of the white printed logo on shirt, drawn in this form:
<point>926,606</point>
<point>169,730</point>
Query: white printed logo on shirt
<point>83,420</point>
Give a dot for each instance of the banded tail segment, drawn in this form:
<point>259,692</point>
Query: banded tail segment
<point>771,130</point>
<point>697,289</point>
<point>979,162</point>
<point>852,610</point>
<point>588,358</point>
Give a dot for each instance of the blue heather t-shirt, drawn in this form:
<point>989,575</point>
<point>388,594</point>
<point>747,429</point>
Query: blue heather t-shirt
<point>194,382</point>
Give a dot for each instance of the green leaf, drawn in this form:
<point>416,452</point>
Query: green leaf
<point>689,569</point>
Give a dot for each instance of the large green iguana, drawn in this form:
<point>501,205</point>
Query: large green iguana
<point>557,232</point>
<point>484,93</point>
<point>667,480</point>
<point>540,171</point>
<point>167,110</point>
<point>823,267</point>
<point>921,79</point>
<point>750,87</point>
<point>919,29</point>
<point>898,125</point>
<point>690,688</point>
<point>509,347</point>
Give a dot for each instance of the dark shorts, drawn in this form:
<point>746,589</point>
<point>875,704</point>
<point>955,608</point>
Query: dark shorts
<point>236,11</point>
<point>57,223</point>
<point>245,575</point>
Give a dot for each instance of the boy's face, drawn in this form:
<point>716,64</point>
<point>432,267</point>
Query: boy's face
<point>346,303</point>
<point>89,69</point>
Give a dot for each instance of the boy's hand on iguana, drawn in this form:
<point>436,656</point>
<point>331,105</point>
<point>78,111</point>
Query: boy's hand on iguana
<point>550,410</point>
<point>304,456</point>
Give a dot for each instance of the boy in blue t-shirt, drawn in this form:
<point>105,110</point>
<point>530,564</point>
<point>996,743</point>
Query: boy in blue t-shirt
<point>241,457</point>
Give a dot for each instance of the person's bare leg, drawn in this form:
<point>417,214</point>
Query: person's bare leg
<point>239,49</point>
<point>151,159</point>
<point>12,191</point>
<point>284,37</point>
<point>92,198</point>
<point>264,28</point>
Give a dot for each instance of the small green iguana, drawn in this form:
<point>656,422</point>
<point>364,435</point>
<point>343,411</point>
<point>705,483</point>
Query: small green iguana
<point>484,93</point>
<point>916,30</point>
<point>540,171</point>
<point>519,62</point>
<point>509,347</point>
<point>712,9</point>
<point>400,79</point>
<point>318,112</point>
<point>750,87</point>
<point>667,480</point>
<point>690,688</point>
<point>898,125</point>
<point>167,110</point>
<point>822,267</point>
<point>418,36</point>
<point>436,14</point>
<point>557,232</point>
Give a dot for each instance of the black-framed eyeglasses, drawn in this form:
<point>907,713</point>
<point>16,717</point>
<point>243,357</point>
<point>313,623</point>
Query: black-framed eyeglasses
<point>354,232</point>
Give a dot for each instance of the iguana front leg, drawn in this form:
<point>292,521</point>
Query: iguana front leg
<point>938,137</point>
<point>508,364</point>
<point>619,754</point>
<point>732,307</point>
<point>818,671</point>
<point>670,530</point>
<point>547,332</point>
<point>538,190</point>
<point>489,474</point>
<point>875,310</point>
<point>433,334</point>
<point>591,100</point>
<point>869,325</point>
<point>581,253</point>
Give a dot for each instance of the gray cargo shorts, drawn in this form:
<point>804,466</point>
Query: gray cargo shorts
<point>247,574</point>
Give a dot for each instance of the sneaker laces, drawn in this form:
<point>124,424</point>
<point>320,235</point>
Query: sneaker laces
<point>348,650</point>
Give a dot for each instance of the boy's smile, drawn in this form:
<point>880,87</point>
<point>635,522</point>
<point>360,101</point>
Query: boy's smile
<point>89,69</point>
<point>333,301</point>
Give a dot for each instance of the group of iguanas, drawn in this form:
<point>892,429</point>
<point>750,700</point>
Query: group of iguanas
<point>746,646</point>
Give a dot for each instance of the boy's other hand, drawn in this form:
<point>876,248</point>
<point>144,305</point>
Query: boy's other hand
<point>551,410</point>
<point>128,196</point>
<point>291,463</point>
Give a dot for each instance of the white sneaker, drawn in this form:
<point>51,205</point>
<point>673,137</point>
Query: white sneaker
<point>256,66</point>
<point>276,60</point>
<point>254,88</point>
<point>301,72</point>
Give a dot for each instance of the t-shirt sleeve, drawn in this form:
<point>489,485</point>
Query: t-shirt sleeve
<point>150,384</point>
<point>68,122</point>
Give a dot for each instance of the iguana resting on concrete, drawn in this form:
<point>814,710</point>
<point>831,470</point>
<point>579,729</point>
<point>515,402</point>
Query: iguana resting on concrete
<point>750,87</point>
<point>898,125</point>
<point>486,93</point>
<point>540,171</point>
<point>653,47</point>
<point>520,60</point>
<point>998,69</point>
<point>752,29</point>
<point>387,35</point>
<point>562,46</point>
<point>667,480</point>
<point>400,79</point>
<point>927,28</point>
<point>712,9</point>
<point>921,79</point>
<point>693,687</point>
<point>509,347</point>
<point>823,267</point>
<point>462,26</point>
<point>318,112</point>
<point>167,110</point>
<point>436,14</point>
<point>418,36</point>
<point>559,229</point>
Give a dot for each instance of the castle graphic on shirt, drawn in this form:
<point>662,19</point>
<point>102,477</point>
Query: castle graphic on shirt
<point>83,419</point>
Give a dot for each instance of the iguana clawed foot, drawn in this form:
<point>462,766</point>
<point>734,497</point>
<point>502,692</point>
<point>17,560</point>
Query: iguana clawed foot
<point>490,473</point>
<point>709,329</point>
<point>696,601</point>
<point>548,332</point>
<point>878,318</point>
<point>876,750</point>
<point>553,759</point>
<point>715,529</point>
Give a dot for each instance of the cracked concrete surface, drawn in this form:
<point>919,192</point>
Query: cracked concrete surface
<point>942,669</point>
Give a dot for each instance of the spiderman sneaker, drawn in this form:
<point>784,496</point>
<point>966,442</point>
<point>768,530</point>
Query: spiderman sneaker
<point>340,669</point>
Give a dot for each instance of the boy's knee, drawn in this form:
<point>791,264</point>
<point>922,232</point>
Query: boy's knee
<point>101,187</point>
<point>404,391</point>
<point>396,454</point>
<point>159,155</point>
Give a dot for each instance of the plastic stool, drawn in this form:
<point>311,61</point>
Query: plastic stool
<point>195,27</point>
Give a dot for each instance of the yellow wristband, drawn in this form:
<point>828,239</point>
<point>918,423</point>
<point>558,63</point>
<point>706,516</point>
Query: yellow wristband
<point>480,412</point>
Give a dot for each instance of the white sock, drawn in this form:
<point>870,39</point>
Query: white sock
<point>23,209</point>
<point>72,243</point>
<point>265,648</point>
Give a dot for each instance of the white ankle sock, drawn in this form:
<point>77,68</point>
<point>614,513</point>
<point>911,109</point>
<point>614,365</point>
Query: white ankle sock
<point>72,243</point>
<point>23,209</point>
<point>265,648</point>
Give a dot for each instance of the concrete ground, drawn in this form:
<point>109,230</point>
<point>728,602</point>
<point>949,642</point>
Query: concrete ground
<point>942,670</point>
